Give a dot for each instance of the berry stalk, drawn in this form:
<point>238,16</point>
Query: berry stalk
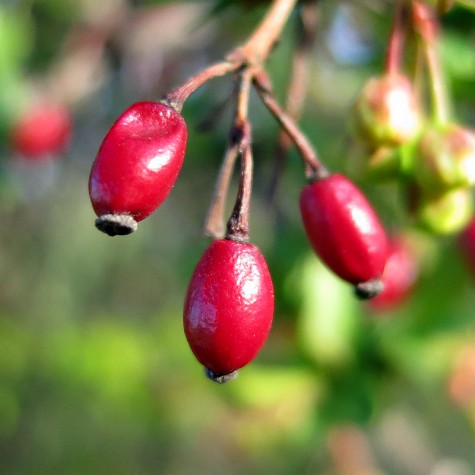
<point>396,40</point>
<point>297,87</point>
<point>250,55</point>
<point>238,224</point>
<point>426,25</point>
<point>314,169</point>
<point>237,143</point>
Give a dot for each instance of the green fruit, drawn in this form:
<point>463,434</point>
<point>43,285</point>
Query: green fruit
<point>444,158</point>
<point>386,112</point>
<point>445,213</point>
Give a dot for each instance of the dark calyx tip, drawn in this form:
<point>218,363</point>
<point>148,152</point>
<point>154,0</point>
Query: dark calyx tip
<point>222,378</point>
<point>116,224</point>
<point>368,290</point>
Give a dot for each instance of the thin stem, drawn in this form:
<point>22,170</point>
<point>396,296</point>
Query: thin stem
<point>426,25</point>
<point>396,40</point>
<point>297,88</point>
<point>180,94</point>
<point>238,224</point>
<point>314,169</point>
<point>253,53</point>
<point>214,223</point>
<point>261,42</point>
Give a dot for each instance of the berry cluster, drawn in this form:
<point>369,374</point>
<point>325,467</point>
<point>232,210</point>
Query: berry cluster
<point>230,300</point>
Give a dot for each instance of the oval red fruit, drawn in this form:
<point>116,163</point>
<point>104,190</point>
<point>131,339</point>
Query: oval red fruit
<point>229,307</point>
<point>43,130</point>
<point>345,232</point>
<point>137,165</point>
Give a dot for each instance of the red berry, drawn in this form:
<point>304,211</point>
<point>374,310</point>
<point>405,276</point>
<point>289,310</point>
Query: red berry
<point>345,232</point>
<point>229,307</point>
<point>43,130</point>
<point>137,165</point>
<point>399,276</point>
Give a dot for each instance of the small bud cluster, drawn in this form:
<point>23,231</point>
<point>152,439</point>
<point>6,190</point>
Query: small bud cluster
<point>432,153</point>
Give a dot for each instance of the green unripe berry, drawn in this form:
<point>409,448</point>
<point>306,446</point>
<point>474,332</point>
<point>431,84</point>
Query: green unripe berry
<point>386,112</point>
<point>445,213</point>
<point>444,158</point>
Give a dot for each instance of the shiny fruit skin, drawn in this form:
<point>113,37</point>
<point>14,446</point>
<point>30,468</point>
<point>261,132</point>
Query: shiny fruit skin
<point>399,276</point>
<point>138,161</point>
<point>344,229</point>
<point>43,130</point>
<point>229,306</point>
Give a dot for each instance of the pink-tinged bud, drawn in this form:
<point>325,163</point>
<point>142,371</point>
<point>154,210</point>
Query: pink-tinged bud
<point>137,165</point>
<point>345,232</point>
<point>444,158</point>
<point>386,111</point>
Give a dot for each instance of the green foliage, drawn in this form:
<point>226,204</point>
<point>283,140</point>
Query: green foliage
<point>95,373</point>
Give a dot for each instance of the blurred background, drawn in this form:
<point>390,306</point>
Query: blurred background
<point>96,376</point>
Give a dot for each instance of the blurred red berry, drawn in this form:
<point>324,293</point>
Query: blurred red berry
<point>43,130</point>
<point>399,276</point>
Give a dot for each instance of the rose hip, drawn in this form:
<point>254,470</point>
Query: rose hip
<point>345,232</point>
<point>137,165</point>
<point>229,307</point>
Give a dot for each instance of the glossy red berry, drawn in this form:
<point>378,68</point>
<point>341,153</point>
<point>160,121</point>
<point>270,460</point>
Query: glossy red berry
<point>345,232</point>
<point>229,307</point>
<point>137,165</point>
<point>41,131</point>
<point>399,276</point>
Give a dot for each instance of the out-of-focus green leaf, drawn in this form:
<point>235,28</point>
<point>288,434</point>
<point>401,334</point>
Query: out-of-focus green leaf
<point>16,41</point>
<point>327,321</point>
<point>458,56</point>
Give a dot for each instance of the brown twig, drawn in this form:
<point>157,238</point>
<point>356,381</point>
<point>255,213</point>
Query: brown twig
<point>238,141</point>
<point>237,228</point>
<point>297,88</point>
<point>314,169</point>
<point>252,54</point>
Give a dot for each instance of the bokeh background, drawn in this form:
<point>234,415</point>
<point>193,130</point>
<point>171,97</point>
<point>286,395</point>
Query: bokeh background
<point>96,376</point>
